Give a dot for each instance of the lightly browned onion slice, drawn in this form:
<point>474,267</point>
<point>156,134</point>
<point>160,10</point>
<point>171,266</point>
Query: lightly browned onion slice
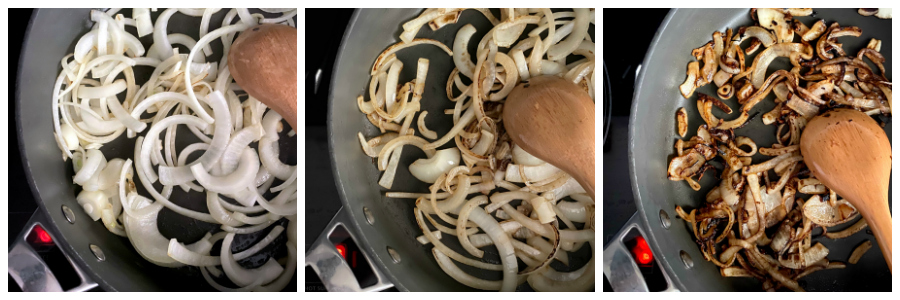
<point>859,251</point>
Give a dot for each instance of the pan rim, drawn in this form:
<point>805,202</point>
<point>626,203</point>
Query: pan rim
<point>362,240</point>
<point>61,240</point>
<point>652,241</point>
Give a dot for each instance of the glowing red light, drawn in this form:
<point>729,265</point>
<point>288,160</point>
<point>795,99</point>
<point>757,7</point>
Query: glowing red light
<point>642,251</point>
<point>342,250</point>
<point>42,235</point>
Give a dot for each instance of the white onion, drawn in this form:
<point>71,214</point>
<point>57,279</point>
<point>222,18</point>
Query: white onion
<point>285,209</point>
<point>183,254</point>
<point>87,114</point>
<point>531,173</point>
<point>579,31</point>
<point>218,212</point>
<point>142,20</point>
<point>504,247</point>
<point>291,267</point>
<point>93,202</point>
<point>268,155</point>
<point>92,164</point>
<point>461,56</point>
<point>573,211</point>
<point>144,235</point>
<point>68,135</point>
<point>242,177</point>
<point>582,283</point>
<point>238,142</point>
<point>241,276</point>
<point>570,188</point>
<point>429,169</point>
<point>458,274</point>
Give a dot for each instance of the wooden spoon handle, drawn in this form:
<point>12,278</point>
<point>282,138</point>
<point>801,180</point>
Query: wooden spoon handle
<point>585,176</point>
<point>879,219</point>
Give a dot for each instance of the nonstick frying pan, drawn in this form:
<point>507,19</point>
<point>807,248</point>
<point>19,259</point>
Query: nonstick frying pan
<point>385,228</point>
<point>51,35</point>
<point>653,133</point>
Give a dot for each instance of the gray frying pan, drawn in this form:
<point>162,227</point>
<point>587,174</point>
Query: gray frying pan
<point>99,257</point>
<point>385,228</point>
<point>653,133</point>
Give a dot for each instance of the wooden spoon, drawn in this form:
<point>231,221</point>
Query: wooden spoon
<point>850,153</point>
<point>553,119</point>
<point>263,61</point>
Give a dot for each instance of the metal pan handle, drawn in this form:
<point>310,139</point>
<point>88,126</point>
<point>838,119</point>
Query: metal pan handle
<point>30,271</point>
<point>331,267</point>
<point>619,267</point>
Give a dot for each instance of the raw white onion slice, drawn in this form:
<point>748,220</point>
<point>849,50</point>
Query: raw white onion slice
<point>242,277</point>
<point>242,177</point>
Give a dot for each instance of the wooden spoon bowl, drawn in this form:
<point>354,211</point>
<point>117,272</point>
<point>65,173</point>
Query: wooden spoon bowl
<point>263,61</point>
<point>848,152</point>
<point>553,119</point>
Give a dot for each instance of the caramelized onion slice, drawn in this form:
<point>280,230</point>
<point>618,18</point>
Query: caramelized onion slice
<point>693,72</point>
<point>682,121</point>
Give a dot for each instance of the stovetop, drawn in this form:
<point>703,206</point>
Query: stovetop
<point>623,54</point>
<point>21,202</point>
<point>322,199</point>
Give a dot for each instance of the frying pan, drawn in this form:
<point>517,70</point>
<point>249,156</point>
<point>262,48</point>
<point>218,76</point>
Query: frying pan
<point>650,148</point>
<point>99,257</point>
<point>385,228</point>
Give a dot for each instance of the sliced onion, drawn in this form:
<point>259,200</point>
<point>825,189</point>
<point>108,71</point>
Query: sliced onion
<point>428,170</point>
<point>144,235</point>
<point>277,205</point>
<point>504,247</point>
<point>93,202</point>
<point>583,283</point>
<point>92,164</point>
<point>285,278</point>
<point>761,62</point>
<point>243,176</point>
<point>238,142</point>
<point>183,254</point>
<point>222,133</point>
<point>515,173</point>
<point>461,276</point>
<point>218,212</point>
<point>461,56</point>
<point>379,62</point>
<point>580,30</point>
<point>268,150</point>
<point>243,277</point>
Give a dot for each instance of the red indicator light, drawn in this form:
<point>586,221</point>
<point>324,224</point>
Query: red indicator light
<point>342,249</point>
<point>42,235</point>
<point>642,252</point>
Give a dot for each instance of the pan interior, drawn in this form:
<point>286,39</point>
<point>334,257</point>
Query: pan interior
<point>653,134</point>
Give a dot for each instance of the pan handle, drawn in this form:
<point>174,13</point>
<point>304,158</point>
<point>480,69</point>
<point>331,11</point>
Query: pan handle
<point>30,271</point>
<point>330,266</point>
<point>619,267</point>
